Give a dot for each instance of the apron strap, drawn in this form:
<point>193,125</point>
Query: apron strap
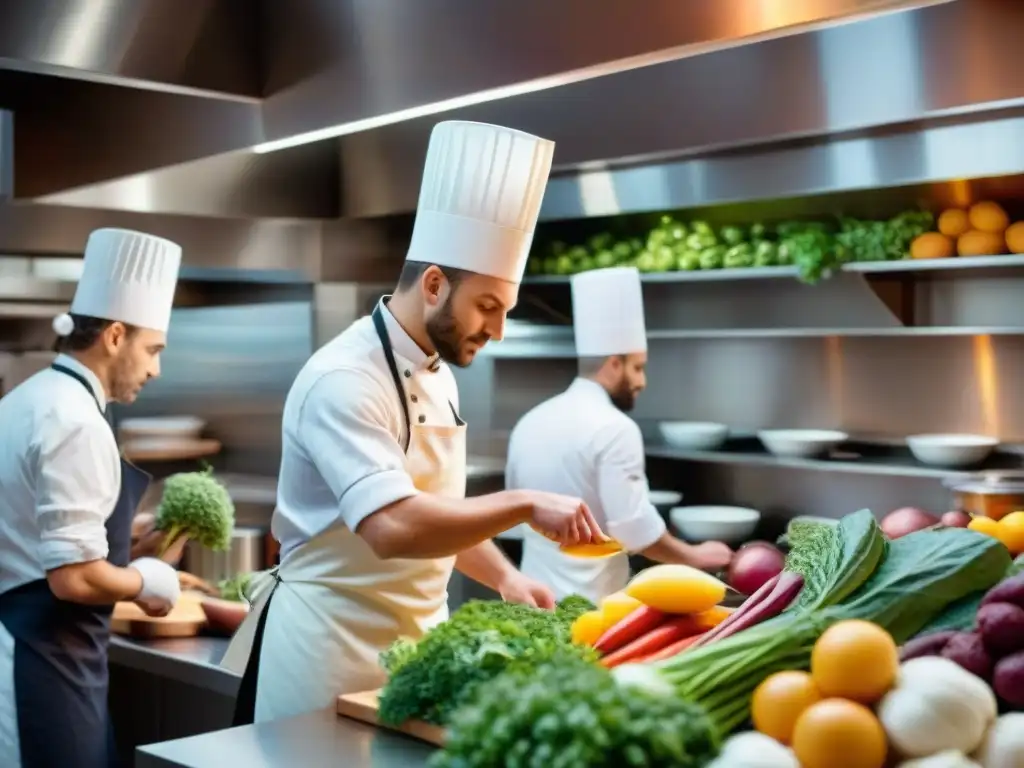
<point>81,380</point>
<point>389,355</point>
<point>245,701</point>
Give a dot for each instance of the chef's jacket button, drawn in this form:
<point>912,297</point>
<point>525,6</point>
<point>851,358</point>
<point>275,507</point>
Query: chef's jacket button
<point>408,374</point>
<point>414,398</point>
<point>422,418</point>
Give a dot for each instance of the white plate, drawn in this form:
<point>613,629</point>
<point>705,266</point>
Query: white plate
<point>951,450</point>
<point>732,525</point>
<point>800,443</point>
<point>694,435</point>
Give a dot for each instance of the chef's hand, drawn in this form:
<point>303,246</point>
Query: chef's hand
<point>563,519</point>
<point>160,588</point>
<point>147,541</point>
<point>517,588</point>
<point>711,556</point>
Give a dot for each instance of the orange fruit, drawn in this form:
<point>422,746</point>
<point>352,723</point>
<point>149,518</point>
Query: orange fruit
<point>1011,532</point>
<point>932,245</point>
<point>618,606</point>
<point>779,700</point>
<point>954,222</point>
<point>980,243</point>
<point>1015,237</point>
<point>988,217</point>
<point>836,733</point>
<point>855,660</point>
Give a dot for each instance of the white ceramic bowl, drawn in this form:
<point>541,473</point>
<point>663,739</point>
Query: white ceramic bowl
<point>733,525</point>
<point>951,450</point>
<point>800,443</point>
<point>665,500</point>
<point>161,426</point>
<point>694,435</point>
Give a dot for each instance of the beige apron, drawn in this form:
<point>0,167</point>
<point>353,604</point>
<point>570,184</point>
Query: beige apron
<point>336,605</point>
<point>594,579</point>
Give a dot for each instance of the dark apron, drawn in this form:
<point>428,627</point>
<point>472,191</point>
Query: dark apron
<point>245,704</point>
<point>60,653</point>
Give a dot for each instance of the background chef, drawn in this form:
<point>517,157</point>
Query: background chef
<point>371,514</point>
<point>66,507</point>
<point>582,443</point>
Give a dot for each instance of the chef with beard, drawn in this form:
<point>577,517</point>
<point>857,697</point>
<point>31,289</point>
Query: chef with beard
<point>371,514</point>
<point>582,443</point>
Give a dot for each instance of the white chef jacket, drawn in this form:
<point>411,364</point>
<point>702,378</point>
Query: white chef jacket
<point>60,474</point>
<point>579,444</point>
<point>343,430</point>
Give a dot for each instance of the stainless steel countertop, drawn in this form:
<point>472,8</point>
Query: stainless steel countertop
<point>319,739</point>
<point>191,660</point>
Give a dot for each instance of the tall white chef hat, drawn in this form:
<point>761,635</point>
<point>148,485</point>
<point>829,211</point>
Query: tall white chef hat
<point>126,276</point>
<point>608,312</point>
<point>480,198</point>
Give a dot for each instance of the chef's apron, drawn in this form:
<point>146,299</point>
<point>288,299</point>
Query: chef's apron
<point>593,578</point>
<point>60,654</point>
<point>336,605</point>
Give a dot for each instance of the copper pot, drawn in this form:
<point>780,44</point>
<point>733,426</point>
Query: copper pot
<point>992,494</point>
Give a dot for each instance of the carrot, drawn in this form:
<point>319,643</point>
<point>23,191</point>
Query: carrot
<point>638,622</point>
<point>712,617</point>
<point>672,650</point>
<point>658,638</point>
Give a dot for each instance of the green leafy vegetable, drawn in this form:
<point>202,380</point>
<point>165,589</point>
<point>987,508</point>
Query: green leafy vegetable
<point>196,505</point>
<point>235,588</point>
<point>961,615</point>
<point>430,679</point>
<point>921,574</point>
<point>568,713</point>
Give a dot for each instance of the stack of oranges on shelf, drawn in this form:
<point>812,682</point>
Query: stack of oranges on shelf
<point>982,230</point>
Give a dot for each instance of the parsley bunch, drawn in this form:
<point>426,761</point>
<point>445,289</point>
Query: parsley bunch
<point>430,679</point>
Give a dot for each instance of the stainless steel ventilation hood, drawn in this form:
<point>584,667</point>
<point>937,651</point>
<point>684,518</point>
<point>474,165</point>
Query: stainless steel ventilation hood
<point>151,86</point>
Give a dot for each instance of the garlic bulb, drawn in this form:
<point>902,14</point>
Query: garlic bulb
<point>949,759</point>
<point>936,706</point>
<point>1004,743</point>
<point>754,750</point>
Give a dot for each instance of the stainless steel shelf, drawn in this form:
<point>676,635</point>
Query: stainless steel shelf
<point>853,458</point>
<point>957,264</point>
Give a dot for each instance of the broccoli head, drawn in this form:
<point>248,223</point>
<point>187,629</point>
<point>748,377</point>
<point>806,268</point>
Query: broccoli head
<point>196,505</point>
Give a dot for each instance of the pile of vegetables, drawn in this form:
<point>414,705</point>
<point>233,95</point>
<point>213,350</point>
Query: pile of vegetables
<point>984,229</point>
<point>236,588</point>
<point>993,649</point>
<point>429,679</point>
<point>196,505</point>
<point>567,713</point>
<point>815,248</point>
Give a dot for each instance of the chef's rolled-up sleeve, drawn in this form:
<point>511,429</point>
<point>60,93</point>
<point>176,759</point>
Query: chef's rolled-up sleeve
<point>346,428</point>
<point>630,517</point>
<point>78,486</point>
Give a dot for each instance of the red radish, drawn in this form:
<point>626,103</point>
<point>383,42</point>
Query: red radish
<point>658,638</point>
<point>637,623</point>
<point>906,520</point>
<point>956,519</point>
<point>754,565</point>
<point>767,603</point>
<point>672,650</point>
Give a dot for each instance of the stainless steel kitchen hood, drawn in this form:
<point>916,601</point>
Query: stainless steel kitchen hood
<point>150,85</point>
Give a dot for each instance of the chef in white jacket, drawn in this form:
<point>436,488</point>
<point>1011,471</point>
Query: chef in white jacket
<point>582,443</point>
<point>371,514</point>
<point>66,505</point>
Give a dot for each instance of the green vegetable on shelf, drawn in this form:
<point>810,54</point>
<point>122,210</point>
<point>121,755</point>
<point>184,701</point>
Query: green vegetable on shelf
<point>566,265</point>
<point>600,242</point>
<point>758,232</point>
<point>604,259</point>
<point>738,256</point>
<point>732,235</point>
<point>647,262</point>
<point>196,505</point>
<point>688,260</point>
<point>766,254</point>
<point>712,258</point>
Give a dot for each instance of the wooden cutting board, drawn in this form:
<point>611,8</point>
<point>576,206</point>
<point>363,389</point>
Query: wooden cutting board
<point>186,619</point>
<point>363,707</point>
